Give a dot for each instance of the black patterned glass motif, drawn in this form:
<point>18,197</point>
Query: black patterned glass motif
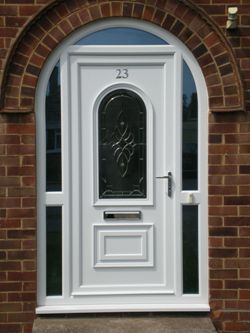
<point>122,146</point>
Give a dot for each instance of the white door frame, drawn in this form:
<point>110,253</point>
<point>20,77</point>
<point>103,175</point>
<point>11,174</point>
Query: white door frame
<point>59,304</point>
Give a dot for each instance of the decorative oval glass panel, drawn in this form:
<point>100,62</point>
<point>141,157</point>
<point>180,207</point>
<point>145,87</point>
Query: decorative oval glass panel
<point>122,146</point>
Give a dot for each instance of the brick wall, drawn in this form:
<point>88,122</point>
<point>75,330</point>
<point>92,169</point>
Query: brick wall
<point>29,30</point>
<point>18,223</point>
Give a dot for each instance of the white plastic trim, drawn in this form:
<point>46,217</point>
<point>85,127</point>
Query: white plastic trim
<point>186,302</point>
<point>125,307</point>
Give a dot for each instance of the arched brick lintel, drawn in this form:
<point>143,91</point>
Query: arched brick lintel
<point>180,17</point>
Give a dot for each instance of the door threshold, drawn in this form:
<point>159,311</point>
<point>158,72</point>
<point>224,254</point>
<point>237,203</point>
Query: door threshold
<point>57,309</point>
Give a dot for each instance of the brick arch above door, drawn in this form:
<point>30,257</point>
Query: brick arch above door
<point>183,19</point>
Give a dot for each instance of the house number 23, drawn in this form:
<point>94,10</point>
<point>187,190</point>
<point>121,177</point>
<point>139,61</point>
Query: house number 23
<point>122,73</point>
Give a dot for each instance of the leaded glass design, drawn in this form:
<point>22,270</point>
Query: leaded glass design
<point>122,146</point>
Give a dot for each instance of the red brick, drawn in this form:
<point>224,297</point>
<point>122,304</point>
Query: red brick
<point>148,13</point>
<point>215,242</point>
<point>223,231</point>
<point>137,10</point>
<point>244,315</point>
<point>223,294</point>
<point>23,296</point>
<point>6,10</point>
<point>84,15</point>
<point>222,211</point>
<point>223,149</point>
<point>28,10</point>
<point>244,274</point>
<point>10,328</point>
<point>223,253</point>
<point>22,234</point>
<point>237,304</point>
<point>224,274</point>
<point>215,284</point>
<point>237,326</point>
<point>223,190</point>
<point>237,221</point>
<point>223,128</point>
<point>215,159</point>
<point>245,253</point>
<point>20,171</point>
<point>21,149</point>
<point>20,255</point>
<point>116,8</point>
<point>10,265</point>
<point>15,21</point>
<point>245,231</point>
<point>29,286</point>
<point>215,180</point>
<point>95,12</point>
<point>244,169</point>
<point>215,200</point>
<point>29,265</point>
<point>159,16</point>
<point>10,307</point>
<point>222,169</point>
<point>237,200</point>
<point>21,276</point>
<point>234,284</point>
<point>244,211</point>
<point>10,202</point>
<point>237,242</point>
<point>237,180</point>
<point>21,191</point>
<point>215,263</point>
<point>10,286</point>
<point>21,317</point>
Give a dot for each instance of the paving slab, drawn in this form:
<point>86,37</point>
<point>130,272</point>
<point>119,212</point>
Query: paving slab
<point>125,324</point>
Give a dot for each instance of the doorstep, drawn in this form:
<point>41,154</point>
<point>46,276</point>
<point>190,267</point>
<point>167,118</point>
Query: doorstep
<point>134,323</point>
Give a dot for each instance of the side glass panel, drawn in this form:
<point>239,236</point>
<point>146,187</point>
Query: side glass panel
<point>121,36</point>
<point>190,249</point>
<point>53,132</point>
<point>189,132</point>
<point>122,146</point>
<point>54,251</point>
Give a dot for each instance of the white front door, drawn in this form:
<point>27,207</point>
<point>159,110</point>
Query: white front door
<point>119,103</point>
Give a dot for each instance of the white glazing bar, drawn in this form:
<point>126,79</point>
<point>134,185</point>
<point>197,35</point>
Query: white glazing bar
<point>177,176</point>
<point>66,178</point>
<point>54,198</point>
<point>190,197</point>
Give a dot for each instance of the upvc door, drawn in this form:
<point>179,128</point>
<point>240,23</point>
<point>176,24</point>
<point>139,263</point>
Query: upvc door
<point>119,105</point>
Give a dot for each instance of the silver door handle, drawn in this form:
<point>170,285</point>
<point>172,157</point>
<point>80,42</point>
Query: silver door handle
<point>170,181</point>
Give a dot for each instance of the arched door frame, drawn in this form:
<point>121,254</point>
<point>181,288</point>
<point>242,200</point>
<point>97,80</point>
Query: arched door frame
<point>202,151</point>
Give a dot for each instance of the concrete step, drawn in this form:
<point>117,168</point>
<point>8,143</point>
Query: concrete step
<point>125,324</point>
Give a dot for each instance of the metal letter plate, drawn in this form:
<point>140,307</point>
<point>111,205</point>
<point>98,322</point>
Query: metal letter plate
<point>116,215</point>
